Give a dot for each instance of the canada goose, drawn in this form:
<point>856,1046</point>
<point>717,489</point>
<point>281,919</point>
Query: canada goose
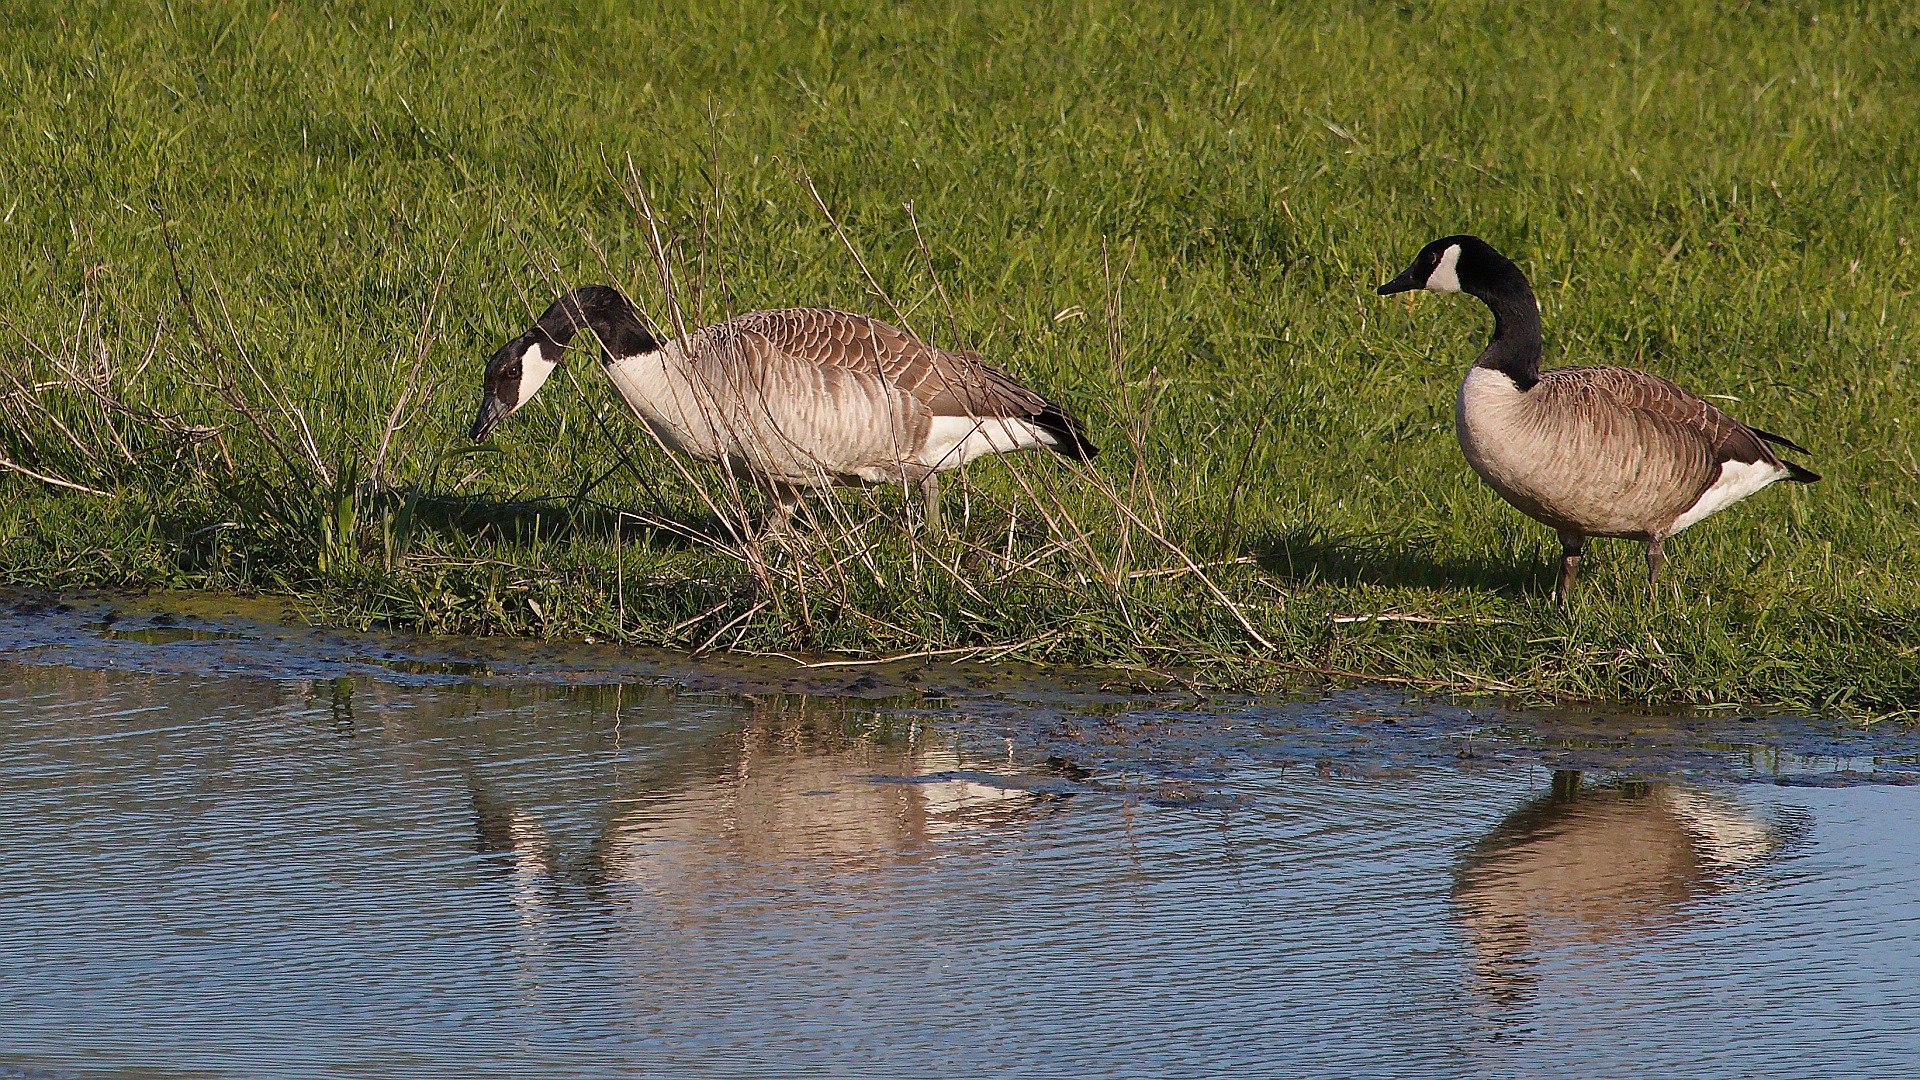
<point>1588,451</point>
<point>799,397</point>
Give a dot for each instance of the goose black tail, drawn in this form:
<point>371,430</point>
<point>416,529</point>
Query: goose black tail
<point>1780,441</point>
<point>1068,440</point>
<point>1795,474</point>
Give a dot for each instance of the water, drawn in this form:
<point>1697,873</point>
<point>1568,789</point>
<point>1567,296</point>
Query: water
<point>469,864</point>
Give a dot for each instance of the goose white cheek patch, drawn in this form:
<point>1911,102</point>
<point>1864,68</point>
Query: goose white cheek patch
<point>534,369</point>
<point>1446,276</point>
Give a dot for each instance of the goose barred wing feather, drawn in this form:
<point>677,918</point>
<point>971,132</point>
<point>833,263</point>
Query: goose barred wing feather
<point>1658,442</point>
<point>764,398</point>
<point>811,396</point>
<point>1729,439</point>
<point>946,383</point>
<point>1688,417</point>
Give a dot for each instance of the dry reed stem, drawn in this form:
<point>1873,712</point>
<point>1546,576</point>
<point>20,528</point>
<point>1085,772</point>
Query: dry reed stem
<point>872,283</point>
<point>14,466</point>
<point>952,319</point>
<point>96,385</point>
<point>222,383</point>
<point>303,431</point>
<point>1425,620</point>
<point>1181,554</point>
<point>1465,682</point>
<point>1170,571</point>
<point>73,378</point>
<point>636,194</point>
<point>736,620</point>
<point>958,652</point>
<point>1246,462</point>
<point>422,342</point>
<point>697,619</point>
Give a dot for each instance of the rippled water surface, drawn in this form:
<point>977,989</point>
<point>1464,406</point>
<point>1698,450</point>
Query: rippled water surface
<point>406,869</point>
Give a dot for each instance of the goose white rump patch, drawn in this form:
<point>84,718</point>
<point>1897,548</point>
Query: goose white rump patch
<point>952,441</point>
<point>1738,479</point>
<point>1728,834</point>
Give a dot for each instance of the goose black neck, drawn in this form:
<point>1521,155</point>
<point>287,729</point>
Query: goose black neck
<point>603,310</point>
<point>1515,348</point>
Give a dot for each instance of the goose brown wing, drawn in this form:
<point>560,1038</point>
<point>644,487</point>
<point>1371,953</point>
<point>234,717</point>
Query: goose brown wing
<point>1729,439</point>
<point>946,383</point>
<point>1681,438</point>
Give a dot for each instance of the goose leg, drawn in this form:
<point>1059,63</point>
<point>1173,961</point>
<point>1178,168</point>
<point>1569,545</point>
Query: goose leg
<point>1655,560</point>
<point>930,491</point>
<point>786,498</point>
<point>1571,544</point>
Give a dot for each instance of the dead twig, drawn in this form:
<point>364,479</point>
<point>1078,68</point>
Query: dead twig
<point>872,283</point>
<point>1468,683</point>
<point>422,341</point>
<point>952,319</point>
<point>1425,620</point>
<point>1170,571</point>
<point>44,478</point>
<point>735,621</point>
<point>969,651</point>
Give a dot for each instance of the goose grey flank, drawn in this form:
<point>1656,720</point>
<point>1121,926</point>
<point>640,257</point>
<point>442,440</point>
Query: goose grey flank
<point>1587,451</point>
<point>795,398</point>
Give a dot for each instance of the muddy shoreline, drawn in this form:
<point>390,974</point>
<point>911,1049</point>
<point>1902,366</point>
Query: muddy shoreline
<point>1098,722</point>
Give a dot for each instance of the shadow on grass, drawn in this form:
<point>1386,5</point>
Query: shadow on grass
<point>1396,561</point>
<point>525,520</point>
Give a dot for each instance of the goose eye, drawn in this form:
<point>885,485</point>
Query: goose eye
<point>513,372</point>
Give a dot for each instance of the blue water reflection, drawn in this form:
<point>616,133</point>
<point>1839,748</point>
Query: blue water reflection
<point>247,877</point>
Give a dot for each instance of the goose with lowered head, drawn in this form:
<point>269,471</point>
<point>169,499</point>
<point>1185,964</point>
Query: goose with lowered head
<point>796,398</point>
<point>1587,451</point>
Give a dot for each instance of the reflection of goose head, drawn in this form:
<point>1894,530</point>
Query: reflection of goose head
<point>1597,865</point>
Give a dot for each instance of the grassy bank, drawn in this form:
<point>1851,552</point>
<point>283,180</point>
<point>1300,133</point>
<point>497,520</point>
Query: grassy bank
<point>261,252</point>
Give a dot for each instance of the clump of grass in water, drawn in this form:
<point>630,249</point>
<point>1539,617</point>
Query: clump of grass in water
<point>1734,221</point>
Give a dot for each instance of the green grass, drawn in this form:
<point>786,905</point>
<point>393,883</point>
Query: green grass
<point>1724,194</point>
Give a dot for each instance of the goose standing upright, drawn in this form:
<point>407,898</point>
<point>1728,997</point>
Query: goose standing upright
<point>796,398</point>
<point>1587,451</point>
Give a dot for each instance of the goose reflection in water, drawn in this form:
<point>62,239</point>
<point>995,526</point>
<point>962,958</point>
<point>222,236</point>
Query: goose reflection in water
<point>1597,865</point>
<point>797,791</point>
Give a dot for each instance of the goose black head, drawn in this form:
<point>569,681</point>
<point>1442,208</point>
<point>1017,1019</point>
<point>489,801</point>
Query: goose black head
<point>521,366</point>
<point>1455,264</point>
<point>1469,264</point>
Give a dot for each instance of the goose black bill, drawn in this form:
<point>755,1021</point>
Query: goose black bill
<point>1409,280</point>
<point>492,411</point>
